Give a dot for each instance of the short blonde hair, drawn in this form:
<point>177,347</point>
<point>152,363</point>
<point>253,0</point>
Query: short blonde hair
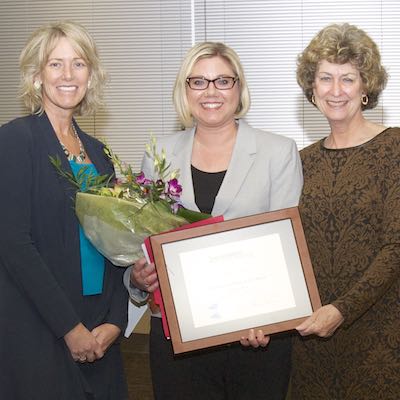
<point>341,44</point>
<point>199,52</point>
<point>36,52</point>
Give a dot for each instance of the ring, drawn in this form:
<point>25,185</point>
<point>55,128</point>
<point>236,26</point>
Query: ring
<point>82,359</point>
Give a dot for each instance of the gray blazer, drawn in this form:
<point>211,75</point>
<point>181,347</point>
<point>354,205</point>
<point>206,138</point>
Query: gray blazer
<point>264,174</point>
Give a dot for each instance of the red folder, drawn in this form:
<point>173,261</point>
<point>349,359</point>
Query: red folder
<point>157,297</point>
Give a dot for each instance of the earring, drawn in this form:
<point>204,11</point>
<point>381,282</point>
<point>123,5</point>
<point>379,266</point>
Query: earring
<point>364,99</point>
<point>37,85</point>
<point>313,99</point>
<point>89,83</point>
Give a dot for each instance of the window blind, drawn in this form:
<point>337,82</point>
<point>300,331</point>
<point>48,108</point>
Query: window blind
<point>142,43</point>
<point>268,36</point>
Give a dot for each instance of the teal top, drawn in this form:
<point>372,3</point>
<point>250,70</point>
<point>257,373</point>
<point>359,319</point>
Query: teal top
<point>92,262</point>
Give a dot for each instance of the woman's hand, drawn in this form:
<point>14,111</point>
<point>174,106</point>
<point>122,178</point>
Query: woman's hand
<point>106,334</point>
<point>322,322</point>
<point>255,339</point>
<point>144,276</point>
<point>82,344</point>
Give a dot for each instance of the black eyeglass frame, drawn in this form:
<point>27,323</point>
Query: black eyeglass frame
<point>235,79</point>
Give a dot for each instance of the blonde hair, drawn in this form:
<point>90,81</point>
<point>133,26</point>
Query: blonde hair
<point>199,52</point>
<point>341,44</point>
<point>36,52</point>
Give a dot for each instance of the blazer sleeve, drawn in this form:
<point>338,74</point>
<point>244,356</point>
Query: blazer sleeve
<point>118,312</point>
<point>18,254</point>
<point>287,177</point>
<point>138,296</point>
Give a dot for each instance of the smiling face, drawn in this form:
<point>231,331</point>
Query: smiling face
<point>64,79</point>
<point>211,107</point>
<point>337,90</point>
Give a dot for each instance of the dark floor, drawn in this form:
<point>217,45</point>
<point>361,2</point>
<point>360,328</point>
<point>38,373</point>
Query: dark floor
<point>135,351</point>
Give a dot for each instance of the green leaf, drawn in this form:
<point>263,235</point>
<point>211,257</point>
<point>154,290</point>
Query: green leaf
<point>192,216</point>
<point>82,181</point>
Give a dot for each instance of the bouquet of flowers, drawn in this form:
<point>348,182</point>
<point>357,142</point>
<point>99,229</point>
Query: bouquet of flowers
<point>118,214</point>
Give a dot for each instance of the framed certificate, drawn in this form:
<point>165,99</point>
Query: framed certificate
<point>219,280</point>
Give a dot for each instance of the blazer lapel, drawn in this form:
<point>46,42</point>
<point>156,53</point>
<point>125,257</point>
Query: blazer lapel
<point>242,159</point>
<point>181,158</point>
<point>98,158</point>
<point>51,141</point>
<point>54,149</point>
<point>51,147</point>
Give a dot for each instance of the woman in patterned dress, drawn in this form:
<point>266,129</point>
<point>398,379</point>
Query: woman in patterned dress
<point>350,207</point>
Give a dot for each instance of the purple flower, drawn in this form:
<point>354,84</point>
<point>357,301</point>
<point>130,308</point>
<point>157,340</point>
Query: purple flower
<point>141,179</point>
<point>174,188</point>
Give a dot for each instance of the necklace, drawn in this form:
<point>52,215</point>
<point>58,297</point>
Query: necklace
<point>80,158</point>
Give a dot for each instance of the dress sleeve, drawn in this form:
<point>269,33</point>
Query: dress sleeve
<point>384,269</point>
<point>18,254</point>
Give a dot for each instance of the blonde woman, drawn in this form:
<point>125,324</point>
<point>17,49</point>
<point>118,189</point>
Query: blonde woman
<point>62,306</point>
<point>226,168</point>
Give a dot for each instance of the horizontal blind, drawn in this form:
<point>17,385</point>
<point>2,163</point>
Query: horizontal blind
<point>141,44</point>
<point>268,36</point>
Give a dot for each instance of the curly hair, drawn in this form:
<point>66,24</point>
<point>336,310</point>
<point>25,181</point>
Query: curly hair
<point>341,44</point>
<point>199,52</point>
<point>36,52</point>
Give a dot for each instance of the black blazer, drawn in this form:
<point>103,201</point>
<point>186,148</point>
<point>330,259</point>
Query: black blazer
<point>40,274</point>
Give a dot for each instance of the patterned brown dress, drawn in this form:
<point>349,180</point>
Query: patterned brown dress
<point>350,209</point>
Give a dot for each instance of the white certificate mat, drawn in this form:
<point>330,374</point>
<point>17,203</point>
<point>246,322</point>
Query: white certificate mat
<point>215,300</point>
<point>234,275</point>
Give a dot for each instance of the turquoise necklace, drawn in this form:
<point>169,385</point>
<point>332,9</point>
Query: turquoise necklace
<point>80,158</point>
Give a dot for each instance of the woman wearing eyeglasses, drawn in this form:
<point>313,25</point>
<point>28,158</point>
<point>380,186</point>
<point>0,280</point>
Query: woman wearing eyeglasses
<point>226,168</point>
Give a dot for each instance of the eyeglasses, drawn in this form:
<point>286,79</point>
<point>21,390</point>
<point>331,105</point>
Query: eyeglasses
<point>220,83</point>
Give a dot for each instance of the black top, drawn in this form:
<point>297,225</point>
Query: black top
<point>206,186</point>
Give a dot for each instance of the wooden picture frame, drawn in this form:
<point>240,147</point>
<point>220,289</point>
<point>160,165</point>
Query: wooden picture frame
<point>219,280</point>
